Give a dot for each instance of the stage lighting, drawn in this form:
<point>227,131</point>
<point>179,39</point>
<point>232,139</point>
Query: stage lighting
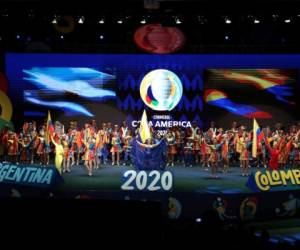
<point>54,21</point>
<point>256,21</point>
<point>226,37</point>
<point>81,20</point>
<point>143,21</point>
<point>18,37</point>
<point>198,220</point>
<point>120,21</point>
<point>288,20</point>
<point>101,21</point>
<point>101,37</point>
<point>177,20</point>
<point>62,37</point>
<point>227,20</point>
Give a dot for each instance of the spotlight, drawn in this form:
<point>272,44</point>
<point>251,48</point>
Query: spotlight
<point>54,21</point>
<point>18,37</point>
<point>143,21</point>
<point>101,37</point>
<point>227,20</point>
<point>256,21</point>
<point>62,37</point>
<point>288,20</point>
<point>198,220</point>
<point>81,20</point>
<point>177,20</point>
<point>101,21</point>
<point>120,21</point>
<point>226,37</point>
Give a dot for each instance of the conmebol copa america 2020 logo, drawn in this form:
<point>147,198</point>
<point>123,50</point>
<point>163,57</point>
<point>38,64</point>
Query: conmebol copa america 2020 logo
<point>161,89</point>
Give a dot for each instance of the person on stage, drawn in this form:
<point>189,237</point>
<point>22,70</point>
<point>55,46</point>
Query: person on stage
<point>25,149</point>
<point>77,145</point>
<point>171,142</point>
<point>124,131</point>
<point>89,154</point>
<point>59,154</point>
<point>243,144</point>
<point>41,147</point>
<point>12,147</point>
<point>225,153</point>
<point>188,152</point>
<point>296,152</point>
<point>127,148</point>
<point>101,146</point>
<point>116,147</point>
<point>197,146</point>
<point>179,138</point>
<point>213,157</point>
<point>67,154</point>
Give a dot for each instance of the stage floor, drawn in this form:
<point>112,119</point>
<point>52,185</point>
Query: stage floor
<point>186,179</point>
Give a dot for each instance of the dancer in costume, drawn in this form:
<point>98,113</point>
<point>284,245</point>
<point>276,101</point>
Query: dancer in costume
<point>115,147</point>
<point>127,148</point>
<point>12,147</point>
<point>188,152</point>
<point>244,153</point>
<point>59,154</point>
<point>90,155</point>
<point>171,142</point>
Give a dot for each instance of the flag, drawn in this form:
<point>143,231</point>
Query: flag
<point>144,130</point>
<point>256,132</point>
<point>49,129</point>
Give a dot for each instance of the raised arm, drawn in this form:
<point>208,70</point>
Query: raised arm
<point>55,144</point>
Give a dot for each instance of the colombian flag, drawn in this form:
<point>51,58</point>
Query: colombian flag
<point>49,129</point>
<point>144,128</point>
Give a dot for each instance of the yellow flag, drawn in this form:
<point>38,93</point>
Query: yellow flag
<point>144,128</point>
<point>254,139</point>
<point>48,129</point>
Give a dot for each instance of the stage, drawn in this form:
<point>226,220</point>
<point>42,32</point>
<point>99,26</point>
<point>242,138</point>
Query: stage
<point>186,179</point>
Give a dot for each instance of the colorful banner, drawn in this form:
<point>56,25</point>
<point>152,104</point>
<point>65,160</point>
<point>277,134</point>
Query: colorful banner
<point>29,176</point>
<point>267,180</point>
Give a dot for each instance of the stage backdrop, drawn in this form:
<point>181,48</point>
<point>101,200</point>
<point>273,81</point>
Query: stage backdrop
<point>174,89</point>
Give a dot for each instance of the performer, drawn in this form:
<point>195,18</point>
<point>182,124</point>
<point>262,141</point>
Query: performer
<point>77,146</point>
<point>115,146</point>
<point>90,155</point>
<point>41,150</point>
<point>25,149</point>
<point>127,148</point>
<point>59,154</point>
<point>197,146</point>
<point>3,144</point>
<point>213,158</point>
<point>12,147</point>
<point>225,152</point>
<point>244,153</point>
<point>124,131</point>
<point>188,152</point>
<point>296,152</point>
<point>170,138</point>
<point>66,154</point>
<point>101,146</point>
